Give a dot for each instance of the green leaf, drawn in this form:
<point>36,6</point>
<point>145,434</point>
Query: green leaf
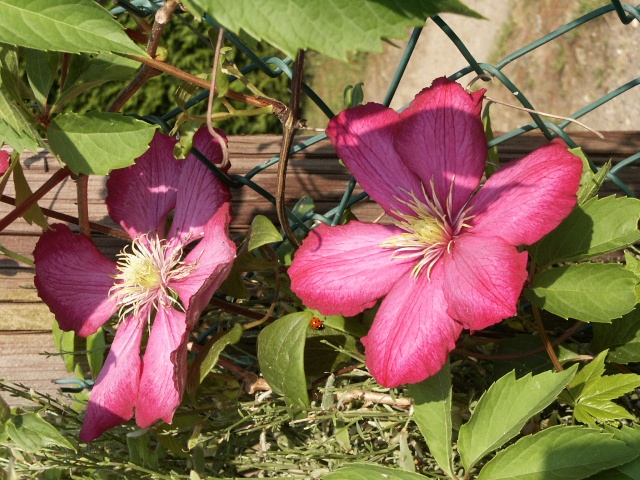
<point>432,414</point>
<point>353,95</point>
<point>41,71</point>
<point>352,326</point>
<point>600,226</point>
<point>591,292</point>
<point>98,142</point>
<point>32,433</point>
<point>23,191</point>
<point>5,411</point>
<point>504,409</point>
<point>334,29</point>
<point>86,72</point>
<point>65,344</point>
<point>560,453</point>
<point>630,470</point>
<point>621,337</point>
<point>263,232</point>
<point>15,127</point>
<point>208,357</point>
<point>371,471</point>
<point>96,350</point>
<point>281,356</point>
<point>323,349</point>
<point>590,412</point>
<point>72,26</point>
<point>590,182</point>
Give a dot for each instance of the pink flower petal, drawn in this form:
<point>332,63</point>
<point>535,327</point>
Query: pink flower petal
<point>363,139</point>
<point>440,135</point>
<point>483,280</point>
<point>115,392</point>
<point>528,198</point>
<point>140,196</point>
<point>343,269</point>
<point>200,192</point>
<point>213,256</point>
<point>164,368</point>
<point>412,334</point>
<point>5,158</point>
<point>73,278</point>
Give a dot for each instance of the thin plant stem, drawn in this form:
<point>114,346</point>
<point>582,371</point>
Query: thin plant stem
<point>82,192</point>
<point>545,339</point>
<point>291,125</point>
<point>212,94</point>
<point>17,212</point>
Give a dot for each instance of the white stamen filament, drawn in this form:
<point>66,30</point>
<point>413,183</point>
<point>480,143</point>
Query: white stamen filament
<point>144,275</point>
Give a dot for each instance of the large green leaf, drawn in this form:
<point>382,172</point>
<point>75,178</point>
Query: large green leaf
<point>591,292</point>
<point>627,471</point>
<point>98,142</point>
<point>15,128</point>
<point>560,453</point>
<point>590,182</point>
<point>504,409</point>
<point>371,471</point>
<point>621,337</point>
<point>432,414</point>
<point>72,26</point>
<point>281,356</point>
<point>333,28</point>
<point>600,226</point>
<point>32,433</point>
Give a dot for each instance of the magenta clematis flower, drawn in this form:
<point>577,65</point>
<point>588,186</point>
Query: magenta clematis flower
<point>155,282</point>
<point>450,260</point>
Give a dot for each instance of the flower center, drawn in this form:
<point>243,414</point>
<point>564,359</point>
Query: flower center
<point>429,229</point>
<point>144,274</point>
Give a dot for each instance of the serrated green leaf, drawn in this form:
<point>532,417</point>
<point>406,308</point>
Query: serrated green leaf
<point>590,413</point>
<point>41,70</point>
<point>371,471</point>
<point>611,386</point>
<point>262,233</point>
<point>504,409</point>
<point>627,471</point>
<point>621,337</point>
<point>96,350</point>
<point>86,72</point>
<point>600,226</point>
<point>97,142</point>
<point>65,344</point>
<point>32,433</point>
<point>631,263</point>
<point>590,372</point>
<point>432,414</point>
<point>281,356</point>
<point>591,292</point>
<point>590,182</point>
<point>347,26</point>
<point>23,191</point>
<point>208,356</point>
<point>570,453</point>
<point>71,26</point>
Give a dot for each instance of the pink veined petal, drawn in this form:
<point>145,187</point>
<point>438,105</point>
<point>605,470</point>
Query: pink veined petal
<point>412,333</point>
<point>73,278</point>
<point>483,280</point>
<point>440,135</point>
<point>140,196</point>
<point>363,139</point>
<point>164,368</point>
<point>4,161</point>
<point>528,198</point>
<point>116,389</point>
<point>213,256</point>
<point>343,269</point>
<point>200,192</point>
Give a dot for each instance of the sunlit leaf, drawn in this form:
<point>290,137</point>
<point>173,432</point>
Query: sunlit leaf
<point>72,26</point>
<point>32,433</point>
<point>504,409</point>
<point>591,292</point>
<point>98,142</point>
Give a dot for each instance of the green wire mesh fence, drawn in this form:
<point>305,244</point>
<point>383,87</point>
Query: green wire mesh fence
<point>273,66</point>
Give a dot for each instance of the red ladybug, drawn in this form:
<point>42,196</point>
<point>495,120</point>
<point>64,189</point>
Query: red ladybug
<point>316,323</point>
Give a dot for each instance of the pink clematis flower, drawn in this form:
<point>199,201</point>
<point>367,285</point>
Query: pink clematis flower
<point>450,260</point>
<point>153,282</point>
